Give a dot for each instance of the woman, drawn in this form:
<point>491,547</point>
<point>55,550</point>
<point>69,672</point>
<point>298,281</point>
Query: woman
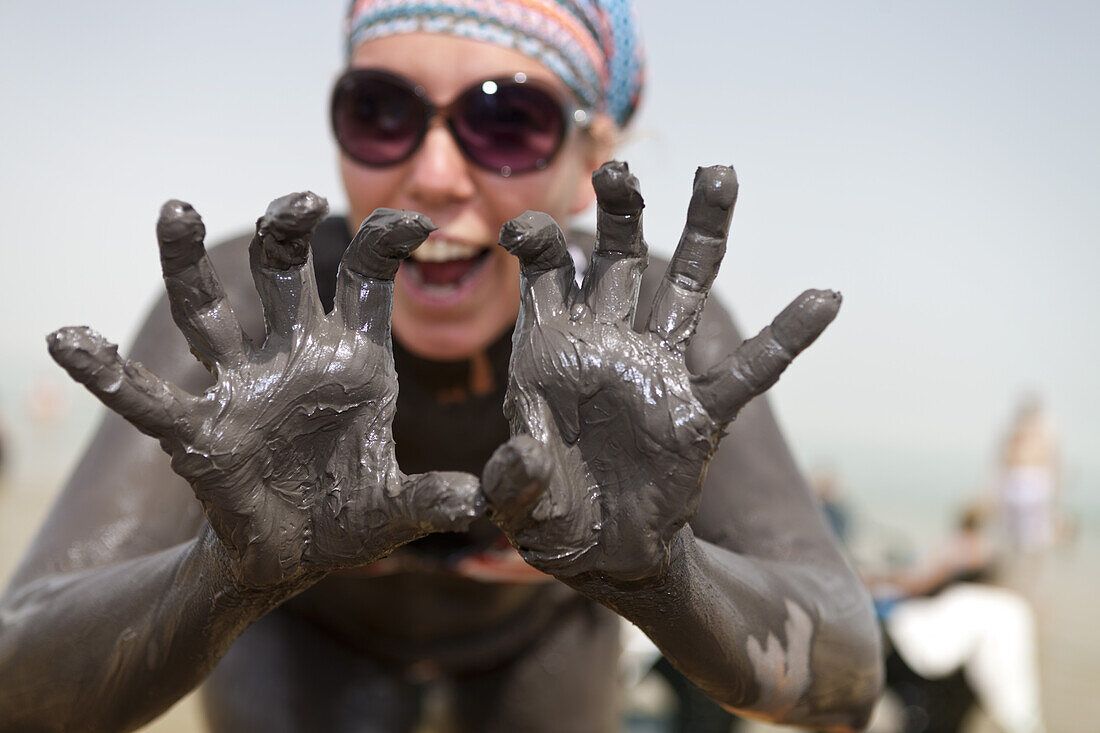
<point>290,593</point>
<point>1029,481</point>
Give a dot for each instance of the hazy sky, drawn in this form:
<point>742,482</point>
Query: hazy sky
<point>938,162</point>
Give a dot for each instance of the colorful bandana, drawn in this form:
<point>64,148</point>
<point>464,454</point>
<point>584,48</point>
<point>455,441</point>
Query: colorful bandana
<point>592,45</point>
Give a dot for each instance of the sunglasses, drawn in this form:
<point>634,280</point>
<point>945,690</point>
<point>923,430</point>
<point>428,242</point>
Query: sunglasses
<point>509,126</point>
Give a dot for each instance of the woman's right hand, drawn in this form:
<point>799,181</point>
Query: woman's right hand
<point>290,452</point>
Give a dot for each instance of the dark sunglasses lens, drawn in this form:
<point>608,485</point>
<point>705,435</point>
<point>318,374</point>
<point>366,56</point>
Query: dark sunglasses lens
<point>376,121</point>
<point>511,128</point>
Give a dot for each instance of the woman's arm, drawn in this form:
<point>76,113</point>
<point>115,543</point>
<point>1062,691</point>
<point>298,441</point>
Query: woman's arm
<point>110,648</point>
<point>763,613</point>
<point>759,540</point>
<point>122,560</point>
<point>777,640</point>
<point>124,603</point>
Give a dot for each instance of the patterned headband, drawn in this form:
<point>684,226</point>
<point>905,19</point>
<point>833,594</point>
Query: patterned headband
<point>592,45</point>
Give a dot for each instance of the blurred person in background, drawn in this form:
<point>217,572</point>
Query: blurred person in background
<point>470,112</point>
<point>1029,480</point>
<point>956,639</point>
<point>3,446</point>
<point>826,488</point>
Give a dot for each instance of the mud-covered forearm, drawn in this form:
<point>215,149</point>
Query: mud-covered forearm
<point>612,439</point>
<point>786,642</point>
<point>111,648</point>
<point>289,452</point>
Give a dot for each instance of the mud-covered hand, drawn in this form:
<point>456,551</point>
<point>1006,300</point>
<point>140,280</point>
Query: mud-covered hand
<point>290,451</point>
<point>613,433</point>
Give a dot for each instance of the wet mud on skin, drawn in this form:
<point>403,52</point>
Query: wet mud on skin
<point>607,417</point>
<point>291,455</point>
<point>290,452</point>
<point>612,439</point>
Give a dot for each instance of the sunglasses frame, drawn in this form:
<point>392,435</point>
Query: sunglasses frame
<point>571,114</point>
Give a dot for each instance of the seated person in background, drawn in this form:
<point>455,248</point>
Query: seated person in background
<point>301,586</point>
<point>956,639</point>
<point>967,557</point>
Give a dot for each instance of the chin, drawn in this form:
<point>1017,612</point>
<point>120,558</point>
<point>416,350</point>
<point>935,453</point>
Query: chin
<point>459,330</point>
<point>442,342</point>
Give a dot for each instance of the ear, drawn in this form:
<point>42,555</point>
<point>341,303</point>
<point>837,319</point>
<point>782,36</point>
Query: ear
<point>602,136</point>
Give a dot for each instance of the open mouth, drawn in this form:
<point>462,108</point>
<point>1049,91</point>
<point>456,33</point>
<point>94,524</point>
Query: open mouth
<point>442,273</point>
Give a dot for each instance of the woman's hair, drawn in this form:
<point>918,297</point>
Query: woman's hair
<point>592,45</point>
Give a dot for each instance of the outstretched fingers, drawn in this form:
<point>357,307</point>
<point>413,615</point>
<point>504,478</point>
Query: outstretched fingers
<point>703,243</point>
<point>681,295</point>
<point>619,259</point>
<point>364,285</point>
<point>195,296</point>
<point>758,362</point>
<point>282,265</point>
<point>548,284</point>
<point>152,405</point>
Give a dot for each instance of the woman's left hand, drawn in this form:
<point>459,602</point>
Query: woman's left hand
<point>613,434</point>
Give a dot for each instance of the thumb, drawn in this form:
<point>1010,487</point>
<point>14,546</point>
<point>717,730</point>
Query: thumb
<point>444,501</point>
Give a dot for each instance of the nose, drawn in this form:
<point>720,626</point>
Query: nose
<point>440,175</point>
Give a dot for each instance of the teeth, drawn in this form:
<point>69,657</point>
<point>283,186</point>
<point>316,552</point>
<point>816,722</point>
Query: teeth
<point>442,250</point>
<point>439,291</point>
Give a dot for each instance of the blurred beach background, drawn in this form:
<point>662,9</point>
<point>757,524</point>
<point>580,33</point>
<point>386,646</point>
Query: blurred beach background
<point>936,162</point>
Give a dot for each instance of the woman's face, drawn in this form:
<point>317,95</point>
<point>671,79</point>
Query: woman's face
<point>460,292</point>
